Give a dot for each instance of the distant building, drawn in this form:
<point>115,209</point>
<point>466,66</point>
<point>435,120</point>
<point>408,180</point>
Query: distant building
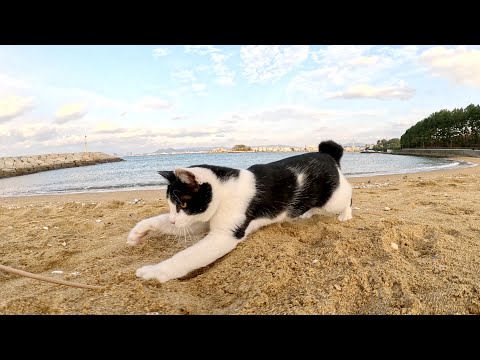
<point>219,150</point>
<point>352,149</point>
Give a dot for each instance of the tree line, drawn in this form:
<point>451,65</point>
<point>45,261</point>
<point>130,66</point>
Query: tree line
<point>384,145</point>
<point>445,128</point>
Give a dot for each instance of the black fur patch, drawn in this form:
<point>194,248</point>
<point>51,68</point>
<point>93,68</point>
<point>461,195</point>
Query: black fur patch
<point>223,173</point>
<point>196,197</point>
<point>331,148</point>
<point>277,189</point>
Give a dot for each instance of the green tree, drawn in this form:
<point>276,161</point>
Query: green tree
<point>445,128</point>
<point>241,148</point>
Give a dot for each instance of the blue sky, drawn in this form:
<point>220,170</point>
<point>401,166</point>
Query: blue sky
<point>141,98</point>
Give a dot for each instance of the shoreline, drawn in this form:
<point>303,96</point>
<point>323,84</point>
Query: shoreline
<point>464,163</point>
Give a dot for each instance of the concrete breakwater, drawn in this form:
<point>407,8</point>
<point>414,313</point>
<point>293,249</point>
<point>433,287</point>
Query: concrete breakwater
<point>439,152</point>
<point>22,165</point>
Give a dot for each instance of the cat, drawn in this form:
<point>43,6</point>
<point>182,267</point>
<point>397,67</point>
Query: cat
<point>229,204</point>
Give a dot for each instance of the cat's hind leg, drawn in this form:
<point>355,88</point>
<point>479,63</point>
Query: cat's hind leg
<point>345,214</point>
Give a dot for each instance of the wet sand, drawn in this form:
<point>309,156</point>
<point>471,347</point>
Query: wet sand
<point>422,256</point>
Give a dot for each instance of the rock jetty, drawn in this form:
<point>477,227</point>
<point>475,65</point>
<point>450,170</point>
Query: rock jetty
<point>22,165</point>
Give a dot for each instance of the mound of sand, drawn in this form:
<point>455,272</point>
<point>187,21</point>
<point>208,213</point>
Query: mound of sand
<point>412,247</point>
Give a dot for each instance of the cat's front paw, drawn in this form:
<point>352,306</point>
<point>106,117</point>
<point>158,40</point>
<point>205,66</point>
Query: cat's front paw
<point>138,233</point>
<point>162,272</point>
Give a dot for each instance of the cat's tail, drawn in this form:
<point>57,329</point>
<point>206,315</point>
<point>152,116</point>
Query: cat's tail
<point>331,148</point>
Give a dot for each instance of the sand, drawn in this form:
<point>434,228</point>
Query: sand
<point>422,256</point>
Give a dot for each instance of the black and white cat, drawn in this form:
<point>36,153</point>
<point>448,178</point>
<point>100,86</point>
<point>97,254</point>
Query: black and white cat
<point>229,204</point>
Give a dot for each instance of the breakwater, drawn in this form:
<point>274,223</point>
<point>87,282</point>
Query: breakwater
<point>439,152</point>
<point>22,165</point>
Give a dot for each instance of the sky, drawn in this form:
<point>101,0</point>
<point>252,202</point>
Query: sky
<point>141,98</point>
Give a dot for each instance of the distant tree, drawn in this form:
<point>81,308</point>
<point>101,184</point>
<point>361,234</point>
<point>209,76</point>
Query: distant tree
<point>445,128</point>
<point>242,148</point>
<point>384,145</point>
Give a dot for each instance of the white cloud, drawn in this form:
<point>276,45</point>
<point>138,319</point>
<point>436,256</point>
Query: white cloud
<point>188,78</point>
<point>151,102</point>
<point>460,65</point>
<point>269,63</point>
<point>12,82</point>
<point>14,106</point>
<point>394,92</point>
<point>341,65</point>
<point>184,76</point>
<point>69,112</point>
<point>199,87</point>
<point>160,52</point>
<point>225,76</point>
<point>201,49</point>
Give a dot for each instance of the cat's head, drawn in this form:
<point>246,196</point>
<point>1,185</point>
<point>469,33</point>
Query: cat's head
<point>189,196</point>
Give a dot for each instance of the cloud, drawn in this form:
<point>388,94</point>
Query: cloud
<point>188,78</point>
<point>106,127</point>
<point>13,82</point>
<point>395,92</point>
<point>151,102</point>
<point>460,65</point>
<point>160,52</point>
<point>225,76</point>
<point>70,112</point>
<point>341,65</point>
<point>113,131</point>
<point>179,117</point>
<point>14,106</point>
<point>184,76</point>
<point>267,63</point>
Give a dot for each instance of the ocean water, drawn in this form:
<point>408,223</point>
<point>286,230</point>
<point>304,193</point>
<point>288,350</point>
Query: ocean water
<point>140,172</point>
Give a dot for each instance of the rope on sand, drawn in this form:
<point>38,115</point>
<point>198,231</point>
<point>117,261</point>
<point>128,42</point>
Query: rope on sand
<point>45,278</point>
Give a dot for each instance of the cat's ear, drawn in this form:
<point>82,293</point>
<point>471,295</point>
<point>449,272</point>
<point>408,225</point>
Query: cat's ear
<point>169,175</point>
<point>188,177</point>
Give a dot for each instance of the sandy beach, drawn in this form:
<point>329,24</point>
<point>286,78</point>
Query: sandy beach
<point>412,247</point>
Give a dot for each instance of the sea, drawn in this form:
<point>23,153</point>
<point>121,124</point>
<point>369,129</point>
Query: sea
<point>141,172</point>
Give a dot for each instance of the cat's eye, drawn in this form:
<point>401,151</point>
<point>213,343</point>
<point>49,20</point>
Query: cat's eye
<point>183,205</point>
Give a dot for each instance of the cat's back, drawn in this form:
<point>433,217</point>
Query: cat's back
<point>310,162</point>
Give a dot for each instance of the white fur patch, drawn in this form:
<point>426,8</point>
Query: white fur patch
<point>300,178</point>
<point>258,223</point>
<point>341,197</point>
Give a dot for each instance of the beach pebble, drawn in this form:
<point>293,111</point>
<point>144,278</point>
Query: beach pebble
<point>54,272</point>
<point>394,246</point>
<point>315,261</point>
<point>75,273</point>
<point>135,201</point>
<point>153,313</point>
<point>55,227</point>
<point>64,244</point>
<point>45,228</point>
<point>338,287</point>
<point>356,208</point>
<point>387,208</point>
<point>98,220</point>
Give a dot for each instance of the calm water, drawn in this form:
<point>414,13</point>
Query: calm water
<point>141,172</point>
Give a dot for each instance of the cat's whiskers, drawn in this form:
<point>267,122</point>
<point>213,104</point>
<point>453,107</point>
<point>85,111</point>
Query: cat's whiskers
<point>185,236</point>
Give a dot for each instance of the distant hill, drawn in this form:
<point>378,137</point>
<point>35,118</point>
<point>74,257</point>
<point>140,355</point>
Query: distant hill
<point>170,150</point>
<point>356,144</point>
<point>273,146</point>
